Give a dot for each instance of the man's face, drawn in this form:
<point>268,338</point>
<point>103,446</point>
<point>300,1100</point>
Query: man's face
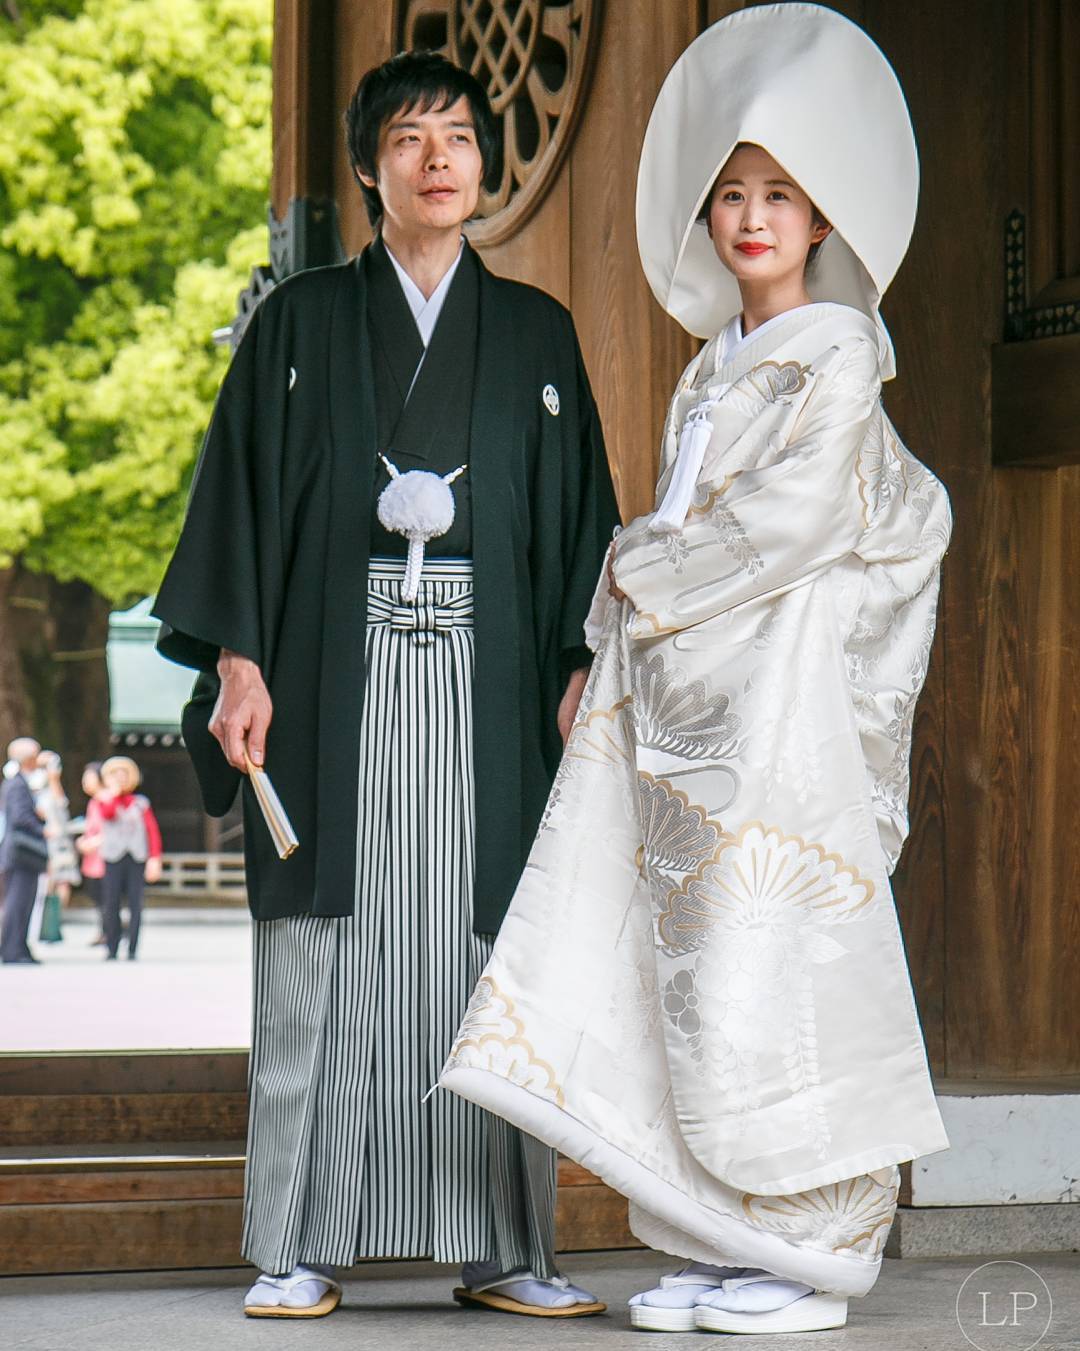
<point>429,168</point>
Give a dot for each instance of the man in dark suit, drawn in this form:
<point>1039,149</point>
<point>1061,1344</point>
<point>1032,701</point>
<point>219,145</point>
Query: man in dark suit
<point>19,863</point>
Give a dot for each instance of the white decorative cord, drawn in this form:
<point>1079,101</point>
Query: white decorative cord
<point>419,505</point>
<point>694,440</point>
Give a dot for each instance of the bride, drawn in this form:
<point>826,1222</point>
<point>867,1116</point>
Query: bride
<point>700,991</point>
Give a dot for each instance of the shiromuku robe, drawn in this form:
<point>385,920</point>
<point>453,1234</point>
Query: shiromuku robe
<point>272,563</point>
<point>700,989</point>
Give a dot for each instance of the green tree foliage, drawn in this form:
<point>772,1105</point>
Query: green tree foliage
<point>134,163</point>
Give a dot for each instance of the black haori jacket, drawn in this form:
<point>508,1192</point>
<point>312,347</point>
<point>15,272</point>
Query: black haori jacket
<point>273,556</point>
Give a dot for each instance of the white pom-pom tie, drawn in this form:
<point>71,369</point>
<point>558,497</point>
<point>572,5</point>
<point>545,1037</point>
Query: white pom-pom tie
<point>419,505</point>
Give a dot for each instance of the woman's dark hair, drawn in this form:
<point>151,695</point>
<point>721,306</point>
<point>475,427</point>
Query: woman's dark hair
<point>816,216</point>
<point>421,80</point>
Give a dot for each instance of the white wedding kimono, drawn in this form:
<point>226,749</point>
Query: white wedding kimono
<point>700,991</point>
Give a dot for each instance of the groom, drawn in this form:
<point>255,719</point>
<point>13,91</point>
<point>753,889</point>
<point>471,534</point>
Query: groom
<point>285,591</point>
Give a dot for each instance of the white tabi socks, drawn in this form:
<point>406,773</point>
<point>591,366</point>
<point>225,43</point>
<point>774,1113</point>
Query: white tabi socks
<point>669,1306</point>
<point>758,1301</point>
<point>304,1292</point>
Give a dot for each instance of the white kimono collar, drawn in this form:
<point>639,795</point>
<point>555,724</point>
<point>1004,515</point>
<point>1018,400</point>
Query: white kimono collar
<point>425,309</point>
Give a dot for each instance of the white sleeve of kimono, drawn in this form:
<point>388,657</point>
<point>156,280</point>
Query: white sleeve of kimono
<point>770,528</point>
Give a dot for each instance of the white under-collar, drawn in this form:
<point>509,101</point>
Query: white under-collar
<point>425,310</point>
<point>732,336</point>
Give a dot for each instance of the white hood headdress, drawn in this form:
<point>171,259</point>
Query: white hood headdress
<point>812,89</point>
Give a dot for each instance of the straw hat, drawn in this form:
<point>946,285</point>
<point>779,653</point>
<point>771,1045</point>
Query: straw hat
<point>812,89</point>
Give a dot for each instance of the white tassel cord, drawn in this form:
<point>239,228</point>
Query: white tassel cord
<point>694,440</point>
<point>414,566</point>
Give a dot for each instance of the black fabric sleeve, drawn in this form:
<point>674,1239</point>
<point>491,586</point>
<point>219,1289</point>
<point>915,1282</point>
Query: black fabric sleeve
<point>223,574</point>
<point>594,513</point>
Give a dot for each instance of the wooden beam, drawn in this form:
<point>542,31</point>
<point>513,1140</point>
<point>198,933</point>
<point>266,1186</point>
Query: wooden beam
<point>121,1118</point>
<point>125,1072</point>
<point>155,1218</point>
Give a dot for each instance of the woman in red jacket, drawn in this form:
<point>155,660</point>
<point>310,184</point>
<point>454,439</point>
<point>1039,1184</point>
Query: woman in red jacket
<point>131,848</point>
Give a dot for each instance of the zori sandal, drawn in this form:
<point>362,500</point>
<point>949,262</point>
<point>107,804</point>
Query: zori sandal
<point>486,1296</point>
<point>282,1286</point>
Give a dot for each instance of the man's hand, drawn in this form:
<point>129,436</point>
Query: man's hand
<point>568,706</point>
<point>612,585</point>
<point>152,871</point>
<point>243,711</point>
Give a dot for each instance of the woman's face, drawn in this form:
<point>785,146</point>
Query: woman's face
<point>91,783</point>
<point>116,779</point>
<point>762,224</point>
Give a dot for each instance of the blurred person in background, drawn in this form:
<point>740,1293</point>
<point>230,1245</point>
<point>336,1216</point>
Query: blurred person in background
<point>63,870</point>
<point>23,852</point>
<point>130,847</point>
<point>89,845</point>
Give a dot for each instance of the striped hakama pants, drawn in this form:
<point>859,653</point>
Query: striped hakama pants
<point>353,1018</point>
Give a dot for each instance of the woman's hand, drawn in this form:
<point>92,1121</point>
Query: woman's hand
<point>568,706</point>
<point>152,871</point>
<point>613,586</point>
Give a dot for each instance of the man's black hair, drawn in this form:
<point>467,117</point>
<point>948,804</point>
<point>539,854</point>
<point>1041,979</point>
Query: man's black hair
<point>421,80</point>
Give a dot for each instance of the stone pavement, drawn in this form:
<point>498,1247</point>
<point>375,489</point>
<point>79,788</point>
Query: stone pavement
<point>190,988</point>
<point>399,1306</point>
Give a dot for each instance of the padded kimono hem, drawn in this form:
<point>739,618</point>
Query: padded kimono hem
<point>662,1215</point>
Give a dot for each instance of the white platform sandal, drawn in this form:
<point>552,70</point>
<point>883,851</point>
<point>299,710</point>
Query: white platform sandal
<point>814,1312</point>
<point>674,1317</point>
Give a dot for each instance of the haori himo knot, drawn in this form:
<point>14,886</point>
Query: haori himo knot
<point>419,505</point>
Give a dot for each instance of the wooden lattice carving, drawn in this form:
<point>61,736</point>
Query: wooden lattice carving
<point>532,57</point>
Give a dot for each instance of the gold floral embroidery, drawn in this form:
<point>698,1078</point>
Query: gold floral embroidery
<point>646,624</point>
<point>772,380</point>
<point>605,736</point>
<point>755,921</point>
<point>847,1217</point>
<point>491,1037</point>
<point>762,877</point>
<point>705,507</point>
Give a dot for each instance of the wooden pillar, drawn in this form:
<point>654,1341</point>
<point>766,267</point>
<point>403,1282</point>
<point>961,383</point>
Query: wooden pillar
<point>303,213</point>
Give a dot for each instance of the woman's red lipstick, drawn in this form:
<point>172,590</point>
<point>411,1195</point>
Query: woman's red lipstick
<point>753,249</point>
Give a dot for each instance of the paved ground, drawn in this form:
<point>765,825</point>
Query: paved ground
<point>189,989</point>
<point>402,1306</point>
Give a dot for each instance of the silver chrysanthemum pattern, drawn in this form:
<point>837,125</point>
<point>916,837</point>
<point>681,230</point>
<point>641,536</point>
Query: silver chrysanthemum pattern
<point>680,716</point>
<point>677,834</point>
